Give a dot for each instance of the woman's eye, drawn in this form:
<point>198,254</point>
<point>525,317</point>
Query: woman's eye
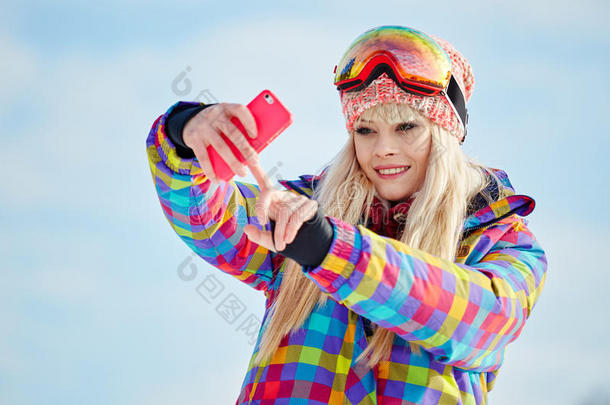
<point>405,126</point>
<point>363,130</point>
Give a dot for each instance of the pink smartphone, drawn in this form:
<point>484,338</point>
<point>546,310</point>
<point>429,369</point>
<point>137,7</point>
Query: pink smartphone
<point>271,119</point>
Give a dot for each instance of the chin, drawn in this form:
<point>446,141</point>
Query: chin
<point>394,196</point>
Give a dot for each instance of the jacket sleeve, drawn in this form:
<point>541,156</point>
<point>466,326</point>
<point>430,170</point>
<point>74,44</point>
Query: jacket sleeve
<point>209,217</point>
<point>463,314</point>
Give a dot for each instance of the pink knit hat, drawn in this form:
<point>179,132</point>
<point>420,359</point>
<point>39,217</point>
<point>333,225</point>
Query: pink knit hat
<point>436,108</point>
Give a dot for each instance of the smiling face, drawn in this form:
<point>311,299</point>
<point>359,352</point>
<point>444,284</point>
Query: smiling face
<point>393,151</point>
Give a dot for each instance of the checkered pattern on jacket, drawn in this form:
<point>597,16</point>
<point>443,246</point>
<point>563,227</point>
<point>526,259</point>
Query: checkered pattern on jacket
<point>462,314</point>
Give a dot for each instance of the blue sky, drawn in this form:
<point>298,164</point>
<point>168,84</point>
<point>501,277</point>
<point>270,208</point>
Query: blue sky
<point>92,305</point>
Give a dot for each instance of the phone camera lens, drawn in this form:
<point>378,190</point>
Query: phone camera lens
<point>269,99</point>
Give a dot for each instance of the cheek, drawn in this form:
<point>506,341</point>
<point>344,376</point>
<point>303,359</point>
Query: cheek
<point>421,151</point>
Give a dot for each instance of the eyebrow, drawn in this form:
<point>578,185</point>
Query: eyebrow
<point>410,121</point>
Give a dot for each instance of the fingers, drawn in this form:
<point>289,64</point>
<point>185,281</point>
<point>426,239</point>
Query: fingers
<point>194,136</point>
<point>263,238</point>
<point>264,182</point>
<point>304,212</point>
<point>229,126</point>
<point>204,161</point>
<point>268,194</point>
<point>220,127</point>
<point>289,218</point>
<point>288,210</point>
<point>262,206</point>
<point>243,114</point>
<point>282,214</point>
<point>225,152</point>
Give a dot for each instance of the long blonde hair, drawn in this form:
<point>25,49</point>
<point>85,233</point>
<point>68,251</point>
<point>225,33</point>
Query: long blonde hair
<point>452,179</point>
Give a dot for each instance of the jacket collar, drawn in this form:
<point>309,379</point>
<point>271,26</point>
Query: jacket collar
<point>505,202</point>
<point>480,213</point>
<point>388,220</point>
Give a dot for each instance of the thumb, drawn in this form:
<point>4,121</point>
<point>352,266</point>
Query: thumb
<point>263,238</point>
<point>261,208</point>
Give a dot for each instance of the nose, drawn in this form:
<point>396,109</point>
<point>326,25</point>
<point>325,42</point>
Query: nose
<point>385,145</point>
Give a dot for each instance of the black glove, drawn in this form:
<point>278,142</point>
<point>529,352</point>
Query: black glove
<point>312,241</point>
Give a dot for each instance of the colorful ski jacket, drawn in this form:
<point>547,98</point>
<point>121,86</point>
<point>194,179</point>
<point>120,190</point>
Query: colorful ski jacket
<point>462,313</point>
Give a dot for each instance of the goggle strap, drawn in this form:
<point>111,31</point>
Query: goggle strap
<point>457,101</point>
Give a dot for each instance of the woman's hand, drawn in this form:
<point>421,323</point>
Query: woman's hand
<point>287,209</point>
<point>205,129</point>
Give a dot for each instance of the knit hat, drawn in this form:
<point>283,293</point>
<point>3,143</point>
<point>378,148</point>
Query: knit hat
<point>436,108</point>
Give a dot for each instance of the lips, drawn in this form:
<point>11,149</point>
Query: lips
<point>385,171</point>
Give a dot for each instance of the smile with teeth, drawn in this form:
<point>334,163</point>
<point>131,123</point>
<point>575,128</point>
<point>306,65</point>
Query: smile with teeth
<point>394,170</point>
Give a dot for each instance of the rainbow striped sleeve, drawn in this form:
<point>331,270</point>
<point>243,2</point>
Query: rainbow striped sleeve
<point>463,314</point>
<point>208,217</point>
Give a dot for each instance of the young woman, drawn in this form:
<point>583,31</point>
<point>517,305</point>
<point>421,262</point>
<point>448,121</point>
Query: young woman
<point>397,275</point>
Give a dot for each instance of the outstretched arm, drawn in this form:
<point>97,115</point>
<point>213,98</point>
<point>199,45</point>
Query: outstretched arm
<point>208,216</point>
<point>463,314</point>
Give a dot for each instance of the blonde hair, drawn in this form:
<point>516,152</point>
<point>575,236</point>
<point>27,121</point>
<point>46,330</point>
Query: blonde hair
<point>452,180</point>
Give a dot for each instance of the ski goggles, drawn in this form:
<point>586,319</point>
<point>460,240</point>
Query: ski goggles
<point>416,62</point>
